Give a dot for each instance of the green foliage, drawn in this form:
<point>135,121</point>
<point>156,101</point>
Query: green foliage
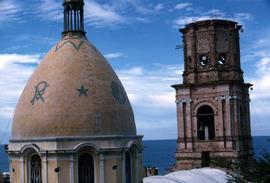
<point>246,171</point>
<point>222,162</point>
<point>262,168</point>
<point>236,179</point>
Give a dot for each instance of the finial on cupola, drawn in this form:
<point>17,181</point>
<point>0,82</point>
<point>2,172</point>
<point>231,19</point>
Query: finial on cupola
<point>73,17</point>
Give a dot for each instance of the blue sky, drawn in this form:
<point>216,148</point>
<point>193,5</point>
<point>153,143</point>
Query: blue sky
<point>138,37</point>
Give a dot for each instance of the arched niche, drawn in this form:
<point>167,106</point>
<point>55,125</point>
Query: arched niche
<point>85,158</point>
<point>32,163</point>
<point>34,169</point>
<point>128,166</point>
<point>86,168</point>
<point>29,149</point>
<point>205,123</point>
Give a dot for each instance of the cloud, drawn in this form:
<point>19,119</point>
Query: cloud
<point>142,20</point>
<point>152,98</point>
<point>118,12</point>
<point>15,69</point>
<point>113,55</point>
<point>159,6</point>
<point>132,71</point>
<point>6,112</point>
<point>256,58</point>
<point>261,80</point>
<point>7,60</point>
<point>263,65</point>
<point>151,84</point>
<point>138,6</point>
<point>100,14</point>
<point>50,10</point>
<point>181,21</point>
<point>243,17</point>
<point>96,14</point>
<point>181,6</point>
<point>258,54</point>
<point>10,11</point>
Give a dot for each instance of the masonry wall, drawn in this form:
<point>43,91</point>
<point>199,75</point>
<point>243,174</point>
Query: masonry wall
<point>212,77</point>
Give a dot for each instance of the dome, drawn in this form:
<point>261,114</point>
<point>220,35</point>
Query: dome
<point>209,175</point>
<point>73,92</point>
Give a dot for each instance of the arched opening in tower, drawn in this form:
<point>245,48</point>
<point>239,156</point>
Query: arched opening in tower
<point>86,168</point>
<point>206,123</point>
<point>35,169</point>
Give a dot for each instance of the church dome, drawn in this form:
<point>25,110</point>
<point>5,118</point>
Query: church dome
<point>73,92</point>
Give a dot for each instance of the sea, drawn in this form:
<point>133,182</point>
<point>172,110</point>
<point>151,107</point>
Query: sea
<point>160,153</point>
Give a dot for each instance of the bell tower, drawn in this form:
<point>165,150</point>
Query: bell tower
<point>213,115</point>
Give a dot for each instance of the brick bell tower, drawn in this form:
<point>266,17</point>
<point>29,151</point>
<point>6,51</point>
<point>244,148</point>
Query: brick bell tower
<point>213,113</point>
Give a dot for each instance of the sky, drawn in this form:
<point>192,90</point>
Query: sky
<point>138,38</point>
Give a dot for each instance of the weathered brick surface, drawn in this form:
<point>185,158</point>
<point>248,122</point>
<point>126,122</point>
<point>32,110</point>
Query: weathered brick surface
<point>220,86</point>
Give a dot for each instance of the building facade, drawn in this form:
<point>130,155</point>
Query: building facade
<point>74,122</point>
<point>213,113</point>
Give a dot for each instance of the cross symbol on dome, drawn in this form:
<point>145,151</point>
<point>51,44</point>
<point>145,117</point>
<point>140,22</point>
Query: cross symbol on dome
<point>82,91</point>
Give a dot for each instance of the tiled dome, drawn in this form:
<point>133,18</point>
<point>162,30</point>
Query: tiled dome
<point>73,92</point>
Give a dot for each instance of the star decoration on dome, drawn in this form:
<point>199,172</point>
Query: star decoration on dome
<point>82,91</point>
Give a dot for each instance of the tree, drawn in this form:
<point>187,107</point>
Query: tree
<point>244,171</point>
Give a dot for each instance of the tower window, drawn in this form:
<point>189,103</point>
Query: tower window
<point>203,60</point>
<point>221,59</point>
<point>206,123</point>
<point>189,60</point>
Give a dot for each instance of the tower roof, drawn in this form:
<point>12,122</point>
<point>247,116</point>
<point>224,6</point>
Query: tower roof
<point>208,22</point>
<point>212,52</point>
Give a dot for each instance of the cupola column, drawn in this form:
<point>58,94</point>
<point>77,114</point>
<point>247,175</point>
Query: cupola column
<point>102,168</point>
<point>73,17</point>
